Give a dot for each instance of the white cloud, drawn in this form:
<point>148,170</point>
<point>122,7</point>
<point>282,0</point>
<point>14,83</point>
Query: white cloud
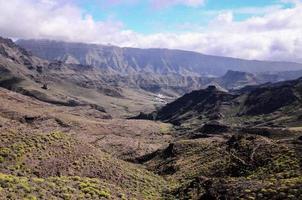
<point>275,35</point>
<point>223,18</point>
<point>166,3</point>
<point>52,19</point>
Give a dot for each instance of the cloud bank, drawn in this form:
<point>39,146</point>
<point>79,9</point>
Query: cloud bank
<point>276,35</point>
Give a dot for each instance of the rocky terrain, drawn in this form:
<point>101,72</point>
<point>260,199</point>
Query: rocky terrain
<point>240,145</point>
<point>229,166</point>
<point>74,152</point>
<point>67,129</point>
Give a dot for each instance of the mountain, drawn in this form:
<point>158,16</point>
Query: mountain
<point>195,105</point>
<point>233,80</point>
<point>280,76</point>
<point>272,104</point>
<point>123,95</point>
<point>77,84</point>
<point>269,98</point>
<point>157,61</point>
<point>154,73</point>
<point>236,79</point>
<point>68,83</point>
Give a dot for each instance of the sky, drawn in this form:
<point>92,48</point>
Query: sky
<point>249,29</point>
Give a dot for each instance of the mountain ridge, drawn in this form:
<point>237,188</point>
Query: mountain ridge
<point>129,60</point>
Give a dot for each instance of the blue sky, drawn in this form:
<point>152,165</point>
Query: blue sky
<point>249,29</point>
<point>142,17</point>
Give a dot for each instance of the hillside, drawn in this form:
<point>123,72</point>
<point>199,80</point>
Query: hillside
<point>62,152</point>
<point>44,166</point>
<point>231,167</point>
<point>195,105</point>
<point>272,104</point>
<point>125,139</point>
<point>240,145</point>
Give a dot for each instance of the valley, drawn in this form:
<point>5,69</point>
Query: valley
<point>84,121</point>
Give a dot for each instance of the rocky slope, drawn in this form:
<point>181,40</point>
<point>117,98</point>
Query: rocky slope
<point>231,167</point>
<point>62,152</point>
<point>267,99</point>
<point>56,166</point>
<point>199,104</point>
<point>125,139</point>
<point>241,145</point>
